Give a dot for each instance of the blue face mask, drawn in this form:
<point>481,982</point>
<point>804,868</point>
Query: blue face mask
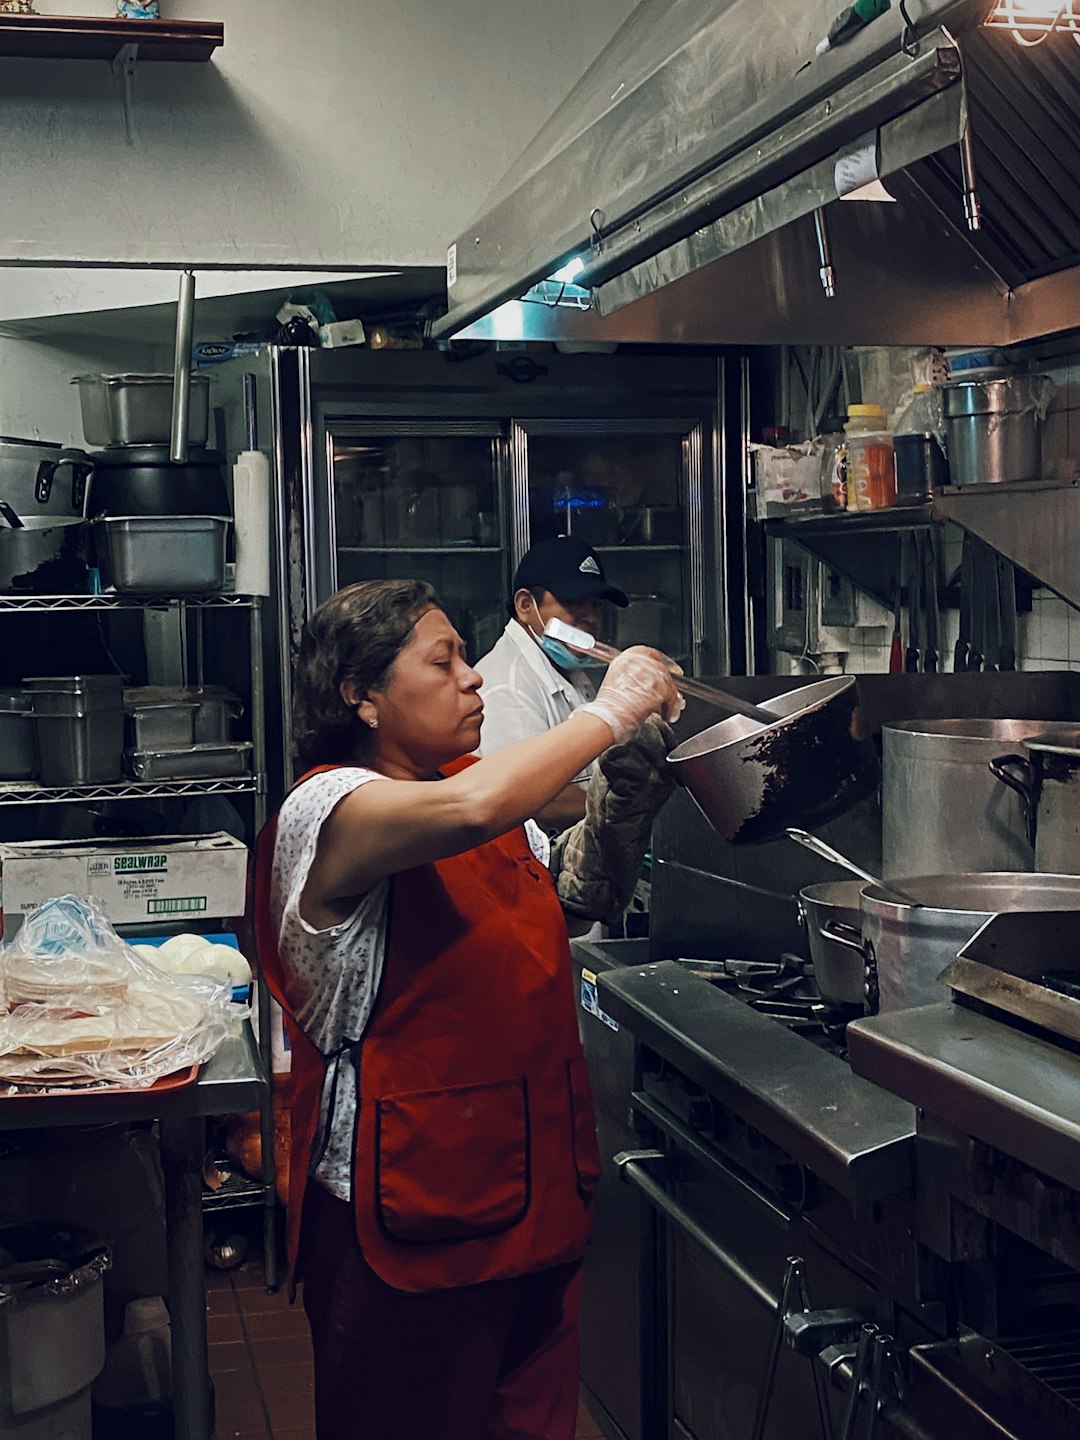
<point>555,650</point>
<point>559,655</point>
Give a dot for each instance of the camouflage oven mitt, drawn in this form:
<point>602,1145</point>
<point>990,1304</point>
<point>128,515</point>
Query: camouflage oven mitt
<point>597,862</point>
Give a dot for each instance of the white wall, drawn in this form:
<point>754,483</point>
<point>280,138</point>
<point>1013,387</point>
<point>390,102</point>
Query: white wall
<point>325,132</point>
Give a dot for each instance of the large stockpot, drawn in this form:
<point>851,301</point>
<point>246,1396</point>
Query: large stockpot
<point>832,918</point>
<point>907,946</point>
<point>941,808</point>
<point>993,428</point>
<point>1047,782</point>
<point>752,781</point>
<point>31,472</point>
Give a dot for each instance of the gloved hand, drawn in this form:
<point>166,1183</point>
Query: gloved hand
<point>597,862</point>
<point>638,684</point>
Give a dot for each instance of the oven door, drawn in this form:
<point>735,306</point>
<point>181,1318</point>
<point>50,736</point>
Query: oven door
<point>727,1247</point>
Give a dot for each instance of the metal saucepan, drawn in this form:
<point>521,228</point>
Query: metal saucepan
<point>832,919</point>
<point>906,947</point>
<point>1047,779</point>
<point>43,555</point>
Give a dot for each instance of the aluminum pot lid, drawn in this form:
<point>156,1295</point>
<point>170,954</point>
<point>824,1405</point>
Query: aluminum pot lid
<point>1063,740</point>
<point>991,892</point>
<point>127,457</point>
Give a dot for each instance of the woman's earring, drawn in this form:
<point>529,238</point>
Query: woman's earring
<point>374,722</point>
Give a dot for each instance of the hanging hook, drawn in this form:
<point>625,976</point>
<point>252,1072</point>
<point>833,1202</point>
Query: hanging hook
<point>596,223</point>
<point>909,40</point>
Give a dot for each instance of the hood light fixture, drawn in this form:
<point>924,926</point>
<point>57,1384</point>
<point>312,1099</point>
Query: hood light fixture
<point>1031,21</point>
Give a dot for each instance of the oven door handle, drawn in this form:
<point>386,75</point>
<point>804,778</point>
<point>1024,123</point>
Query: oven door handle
<point>630,1164</point>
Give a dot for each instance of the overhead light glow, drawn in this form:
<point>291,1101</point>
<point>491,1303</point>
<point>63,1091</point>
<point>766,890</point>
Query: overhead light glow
<point>570,271</point>
<point>1031,21</point>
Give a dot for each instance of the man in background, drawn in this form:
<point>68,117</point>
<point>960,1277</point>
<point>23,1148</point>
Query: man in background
<point>531,681</point>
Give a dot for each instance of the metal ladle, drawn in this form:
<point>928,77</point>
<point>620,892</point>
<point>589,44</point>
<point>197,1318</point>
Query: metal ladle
<point>582,641</point>
<point>826,852</point>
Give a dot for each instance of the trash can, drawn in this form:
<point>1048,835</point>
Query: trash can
<point>52,1331</point>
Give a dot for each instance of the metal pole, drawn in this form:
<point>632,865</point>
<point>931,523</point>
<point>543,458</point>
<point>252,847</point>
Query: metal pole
<point>182,1144</point>
<point>268,1166</point>
<point>185,324</point>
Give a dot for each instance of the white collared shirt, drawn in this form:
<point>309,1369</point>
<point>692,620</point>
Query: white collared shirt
<point>524,694</point>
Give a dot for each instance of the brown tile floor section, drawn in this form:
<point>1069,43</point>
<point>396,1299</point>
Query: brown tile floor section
<point>260,1358</point>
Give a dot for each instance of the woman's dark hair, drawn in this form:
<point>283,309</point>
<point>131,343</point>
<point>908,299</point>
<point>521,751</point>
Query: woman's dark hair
<point>356,635</point>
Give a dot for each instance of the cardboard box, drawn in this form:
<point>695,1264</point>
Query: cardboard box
<point>163,878</point>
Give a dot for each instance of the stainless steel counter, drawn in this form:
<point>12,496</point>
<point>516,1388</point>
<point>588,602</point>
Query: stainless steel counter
<point>233,1080</point>
<point>855,1136</point>
<point>1011,1089</point>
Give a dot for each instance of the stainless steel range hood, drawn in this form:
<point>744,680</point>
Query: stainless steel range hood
<point>690,166</point>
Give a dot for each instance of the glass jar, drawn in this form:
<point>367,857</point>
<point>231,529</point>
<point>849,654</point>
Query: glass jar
<point>871,473</point>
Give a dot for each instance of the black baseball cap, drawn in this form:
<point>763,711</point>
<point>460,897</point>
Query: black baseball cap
<point>568,568</point>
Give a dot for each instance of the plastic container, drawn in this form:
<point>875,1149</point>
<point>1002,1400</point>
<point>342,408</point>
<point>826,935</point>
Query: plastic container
<point>138,1366</point>
<point>79,721</point>
<point>162,554</point>
<point>137,409</point>
<point>918,446</point>
<point>18,741</point>
<point>868,461</point>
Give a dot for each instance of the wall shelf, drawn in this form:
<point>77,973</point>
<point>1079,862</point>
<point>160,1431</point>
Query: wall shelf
<point>30,792</point>
<point>865,546</point>
<point>84,37</point>
<point>1034,523</point>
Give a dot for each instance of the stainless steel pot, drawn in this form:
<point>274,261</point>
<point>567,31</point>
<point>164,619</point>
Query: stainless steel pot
<point>941,808</point>
<point>44,557</point>
<point>994,429</point>
<point>35,476</point>
<point>1047,782</point>
<point>832,918</point>
<point>908,946</point>
<point>752,781</point>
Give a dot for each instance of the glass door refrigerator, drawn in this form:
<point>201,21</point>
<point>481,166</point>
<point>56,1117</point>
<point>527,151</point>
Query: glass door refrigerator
<point>421,499</point>
<point>632,489</point>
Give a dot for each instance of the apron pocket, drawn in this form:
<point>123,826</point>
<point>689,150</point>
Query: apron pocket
<point>453,1164</point>
<point>586,1149</point>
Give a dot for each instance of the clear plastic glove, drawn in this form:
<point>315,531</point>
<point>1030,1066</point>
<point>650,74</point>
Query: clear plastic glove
<point>638,684</point>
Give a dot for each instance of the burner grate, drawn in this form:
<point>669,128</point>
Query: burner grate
<point>786,991</point>
<point>1052,1359</point>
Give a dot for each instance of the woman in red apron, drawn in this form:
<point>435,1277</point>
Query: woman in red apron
<point>443,1143</point>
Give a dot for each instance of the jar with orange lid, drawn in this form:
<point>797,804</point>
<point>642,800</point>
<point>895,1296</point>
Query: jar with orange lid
<point>869,465</point>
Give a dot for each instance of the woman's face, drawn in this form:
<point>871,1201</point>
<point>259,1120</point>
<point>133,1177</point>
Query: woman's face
<point>430,709</point>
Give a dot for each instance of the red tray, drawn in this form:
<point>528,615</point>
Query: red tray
<point>179,1080</point>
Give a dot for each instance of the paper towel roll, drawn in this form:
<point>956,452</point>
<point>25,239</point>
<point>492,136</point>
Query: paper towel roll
<point>251,514</point>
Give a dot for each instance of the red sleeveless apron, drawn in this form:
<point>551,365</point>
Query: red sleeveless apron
<point>475,1148</point>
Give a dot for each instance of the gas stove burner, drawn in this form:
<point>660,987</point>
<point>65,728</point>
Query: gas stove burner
<point>786,991</point>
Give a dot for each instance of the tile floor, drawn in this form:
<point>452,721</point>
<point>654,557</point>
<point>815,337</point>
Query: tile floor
<point>260,1359</point>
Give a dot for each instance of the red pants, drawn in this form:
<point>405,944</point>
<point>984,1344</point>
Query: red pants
<point>485,1362</point>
